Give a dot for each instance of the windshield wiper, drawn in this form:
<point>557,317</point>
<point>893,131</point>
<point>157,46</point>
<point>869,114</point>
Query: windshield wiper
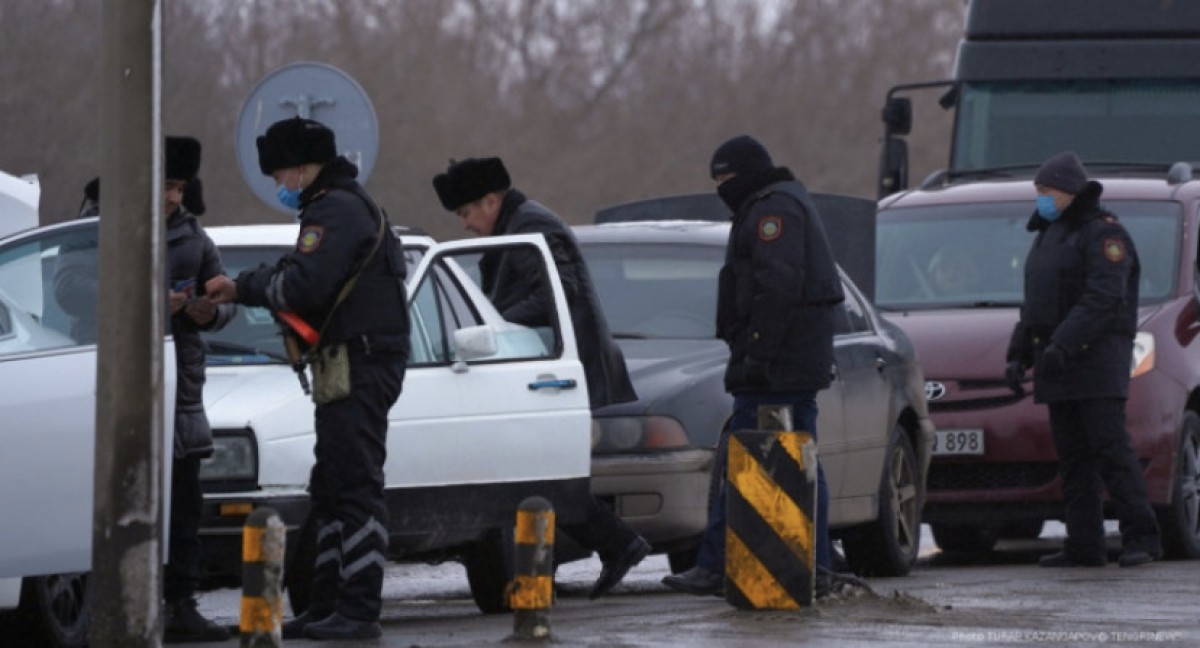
<point>629,336</point>
<point>230,348</point>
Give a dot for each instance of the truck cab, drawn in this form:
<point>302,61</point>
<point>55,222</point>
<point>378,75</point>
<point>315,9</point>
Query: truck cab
<point>1117,82</point>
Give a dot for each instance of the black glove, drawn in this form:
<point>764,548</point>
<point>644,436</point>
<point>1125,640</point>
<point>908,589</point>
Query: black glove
<point>1054,361</point>
<point>1014,373</point>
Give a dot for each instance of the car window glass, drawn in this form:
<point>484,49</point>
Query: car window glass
<point>428,343</point>
<point>252,336</point>
<point>48,289</point>
<point>510,288</point>
<point>963,256</point>
<point>657,291</point>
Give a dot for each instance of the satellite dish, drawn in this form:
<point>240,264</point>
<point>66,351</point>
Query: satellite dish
<point>312,91</point>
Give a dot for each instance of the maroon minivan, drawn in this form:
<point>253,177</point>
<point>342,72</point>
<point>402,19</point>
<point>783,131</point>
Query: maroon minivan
<point>950,272</point>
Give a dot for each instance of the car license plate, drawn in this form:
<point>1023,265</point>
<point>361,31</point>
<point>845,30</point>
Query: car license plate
<point>958,442</point>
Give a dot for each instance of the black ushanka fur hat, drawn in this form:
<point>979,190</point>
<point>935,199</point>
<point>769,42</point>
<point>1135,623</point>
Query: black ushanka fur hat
<point>294,142</point>
<point>469,180</point>
<point>183,158</point>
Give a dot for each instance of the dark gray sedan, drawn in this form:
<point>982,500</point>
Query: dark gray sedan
<point>652,458</point>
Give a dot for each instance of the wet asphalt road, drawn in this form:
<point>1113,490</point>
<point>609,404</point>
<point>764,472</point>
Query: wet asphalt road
<point>1003,598</point>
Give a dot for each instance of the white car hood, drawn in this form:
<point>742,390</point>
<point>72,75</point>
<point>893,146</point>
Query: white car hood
<point>238,396</point>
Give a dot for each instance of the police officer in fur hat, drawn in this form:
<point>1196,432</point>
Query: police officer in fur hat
<point>1076,331</point>
<point>192,259</point>
<point>480,192</point>
<point>344,241</point>
<point>776,301</point>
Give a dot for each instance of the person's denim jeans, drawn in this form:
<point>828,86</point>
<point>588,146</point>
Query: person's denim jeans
<point>711,554</point>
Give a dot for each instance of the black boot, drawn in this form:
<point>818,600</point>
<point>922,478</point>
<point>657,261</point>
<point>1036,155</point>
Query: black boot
<point>697,580</point>
<point>294,629</point>
<point>184,624</point>
<point>614,570</point>
<point>336,626</point>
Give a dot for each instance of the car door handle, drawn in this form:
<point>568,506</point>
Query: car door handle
<point>880,363</point>
<point>553,383</point>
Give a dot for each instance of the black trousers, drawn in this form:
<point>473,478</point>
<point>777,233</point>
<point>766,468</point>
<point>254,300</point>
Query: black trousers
<point>1094,453</point>
<point>182,575</point>
<point>346,489</point>
<point>602,531</point>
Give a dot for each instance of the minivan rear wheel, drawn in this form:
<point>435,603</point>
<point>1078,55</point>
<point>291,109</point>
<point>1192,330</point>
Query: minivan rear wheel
<point>889,546</point>
<point>1180,520</point>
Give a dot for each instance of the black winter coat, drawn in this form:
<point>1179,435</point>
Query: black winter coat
<point>1081,293</point>
<point>511,282</point>
<point>339,224</point>
<point>779,289</point>
<point>191,255</point>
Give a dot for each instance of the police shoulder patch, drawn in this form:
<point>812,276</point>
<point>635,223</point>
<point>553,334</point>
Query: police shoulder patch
<point>310,238</point>
<point>1114,250</point>
<point>770,228</point>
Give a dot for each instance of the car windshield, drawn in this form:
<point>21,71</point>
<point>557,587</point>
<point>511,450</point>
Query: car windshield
<point>947,257</point>
<point>252,337</point>
<point>657,290</point>
<point>1004,123</point>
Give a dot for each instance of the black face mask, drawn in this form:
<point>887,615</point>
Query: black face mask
<point>736,190</point>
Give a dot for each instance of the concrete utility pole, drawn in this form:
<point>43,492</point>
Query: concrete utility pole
<point>126,579</point>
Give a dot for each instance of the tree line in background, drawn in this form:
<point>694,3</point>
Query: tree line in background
<point>589,102</point>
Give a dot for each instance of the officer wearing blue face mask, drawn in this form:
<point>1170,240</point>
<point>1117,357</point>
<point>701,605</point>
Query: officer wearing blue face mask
<point>345,278</point>
<point>1076,330</point>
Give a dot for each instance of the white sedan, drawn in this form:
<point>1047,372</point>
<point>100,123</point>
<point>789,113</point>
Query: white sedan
<point>491,413</point>
<point>48,405</point>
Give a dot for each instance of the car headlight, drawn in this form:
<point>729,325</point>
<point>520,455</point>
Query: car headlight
<point>234,457</point>
<point>621,433</point>
<point>1143,354</point>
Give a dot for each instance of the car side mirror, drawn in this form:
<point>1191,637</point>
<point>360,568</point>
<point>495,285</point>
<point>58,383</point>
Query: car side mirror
<point>475,342</point>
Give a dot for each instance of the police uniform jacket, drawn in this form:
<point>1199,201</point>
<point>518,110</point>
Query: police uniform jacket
<point>191,254</point>
<point>512,283</point>
<point>778,292</point>
<point>339,224</point>
<point>1081,293</point>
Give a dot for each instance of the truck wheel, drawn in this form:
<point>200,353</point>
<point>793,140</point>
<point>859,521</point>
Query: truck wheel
<point>964,538</point>
<point>489,564</point>
<point>54,611</point>
<point>1180,520</point>
<point>889,546</point>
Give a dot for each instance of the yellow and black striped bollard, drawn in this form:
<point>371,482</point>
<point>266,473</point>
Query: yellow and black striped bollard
<point>264,538</point>
<point>770,533</point>
<point>532,589</point>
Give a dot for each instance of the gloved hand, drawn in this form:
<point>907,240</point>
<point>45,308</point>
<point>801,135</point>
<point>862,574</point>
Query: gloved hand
<point>1054,361</point>
<point>1013,375</point>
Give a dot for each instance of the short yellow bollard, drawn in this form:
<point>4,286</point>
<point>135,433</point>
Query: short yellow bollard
<point>771,511</point>
<point>264,538</point>
<point>531,592</point>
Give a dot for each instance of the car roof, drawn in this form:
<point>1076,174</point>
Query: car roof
<point>673,231</point>
<point>284,235</point>
<point>1115,188</point>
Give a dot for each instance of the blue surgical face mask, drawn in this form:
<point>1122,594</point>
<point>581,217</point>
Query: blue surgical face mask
<point>1046,208</point>
<point>288,197</point>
